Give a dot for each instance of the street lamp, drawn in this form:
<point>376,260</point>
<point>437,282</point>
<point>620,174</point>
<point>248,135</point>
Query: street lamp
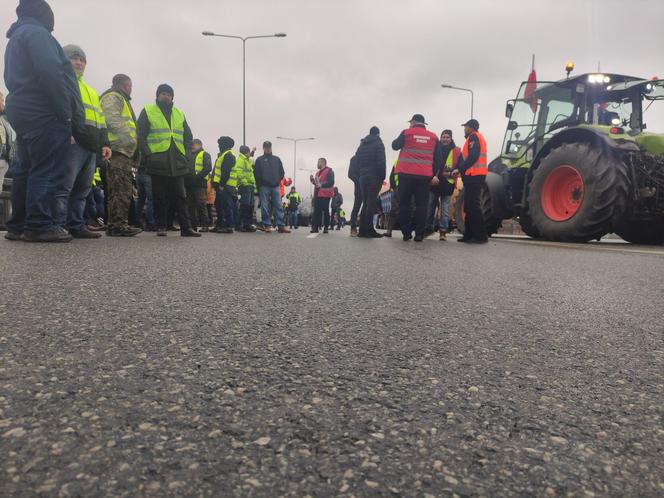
<point>472,96</point>
<point>244,71</point>
<point>295,141</point>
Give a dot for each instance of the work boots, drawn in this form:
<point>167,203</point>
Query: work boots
<point>443,235</point>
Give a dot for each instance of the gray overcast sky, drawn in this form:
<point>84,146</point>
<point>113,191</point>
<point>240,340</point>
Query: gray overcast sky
<point>347,65</point>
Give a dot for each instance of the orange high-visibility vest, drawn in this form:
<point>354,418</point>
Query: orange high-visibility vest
<point>416,156</point>
<point>480,168</point>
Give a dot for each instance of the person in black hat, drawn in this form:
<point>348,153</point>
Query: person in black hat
<point>371,164</point>
<point>45,109</point>
<point>420,158</point>
<point>164,138</point>
<point>473,167</point>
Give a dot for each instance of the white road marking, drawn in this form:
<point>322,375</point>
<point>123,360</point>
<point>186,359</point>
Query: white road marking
<point>313,235</point>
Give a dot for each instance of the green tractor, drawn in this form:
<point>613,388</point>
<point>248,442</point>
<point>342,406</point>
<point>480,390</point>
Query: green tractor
<point>577,162</point>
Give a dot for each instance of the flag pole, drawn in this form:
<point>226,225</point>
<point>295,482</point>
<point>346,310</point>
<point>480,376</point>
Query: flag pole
<point>533,67</point>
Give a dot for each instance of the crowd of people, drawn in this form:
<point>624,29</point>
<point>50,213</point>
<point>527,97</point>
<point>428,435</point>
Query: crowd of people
<point>422,182</point>
<point>83,163</point>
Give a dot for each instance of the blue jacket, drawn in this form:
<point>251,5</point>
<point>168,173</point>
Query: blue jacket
<point>41,81</point>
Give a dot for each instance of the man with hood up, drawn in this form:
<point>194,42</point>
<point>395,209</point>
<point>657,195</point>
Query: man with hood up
<point>371,166</point>
<point>225,182</point>
<point>164,137</point>
<point>45,109</point>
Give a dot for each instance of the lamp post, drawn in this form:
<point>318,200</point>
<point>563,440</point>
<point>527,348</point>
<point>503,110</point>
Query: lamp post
<point>472,95</point>
<point>295,141</point>
<point>244,71</point>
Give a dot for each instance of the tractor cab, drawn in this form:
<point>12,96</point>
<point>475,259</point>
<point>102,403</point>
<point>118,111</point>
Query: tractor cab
<point>610,103</point>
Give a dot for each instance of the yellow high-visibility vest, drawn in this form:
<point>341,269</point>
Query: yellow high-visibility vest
<point>161,132</point>
<point>216,177</point>
<point>94,116</point>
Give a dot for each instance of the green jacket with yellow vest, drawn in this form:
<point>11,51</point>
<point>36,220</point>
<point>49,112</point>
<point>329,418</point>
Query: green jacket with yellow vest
<point>95,134</point>
<point>245,172</point>
<point>164,137</point>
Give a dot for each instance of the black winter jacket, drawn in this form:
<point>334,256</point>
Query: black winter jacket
<point>169,163</point>
<point>353,171</point>
<point>198,180</point>
<point>371,157</point>
<point>268,171</point>
<point>40,79</point>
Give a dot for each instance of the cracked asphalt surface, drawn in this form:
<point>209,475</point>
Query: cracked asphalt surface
<point>273,365</point>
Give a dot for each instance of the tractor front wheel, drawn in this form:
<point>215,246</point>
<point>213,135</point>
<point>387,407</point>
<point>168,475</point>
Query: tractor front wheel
<point>577,193</point>
<point>491,222</point>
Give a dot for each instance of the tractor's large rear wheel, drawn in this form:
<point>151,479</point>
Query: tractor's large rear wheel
<point>577,193</point>
<point>642,232</point>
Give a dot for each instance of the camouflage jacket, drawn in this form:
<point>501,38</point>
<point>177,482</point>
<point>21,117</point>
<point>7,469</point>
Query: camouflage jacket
<point>124,136</point>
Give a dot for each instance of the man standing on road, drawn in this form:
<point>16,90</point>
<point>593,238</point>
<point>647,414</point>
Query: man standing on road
<point>196,183</point>
<point>421,155</point>
<point>442,193</point>
<point>473,167</point>
<point>269,172</point>
<point>224,181</point>
<point>246,187</point>
<point>354,175</point>
<point>82,157</point>
<point>336,203</point>
<point>372,168</point>
<point>323,183</point>
<point>293,201</point>
<point>44,107</point>
<point>121,122</point>
<point>165,137</point>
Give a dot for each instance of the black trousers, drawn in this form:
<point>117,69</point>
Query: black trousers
<point>169,191</point>
<point>418,187</point>
<point>196,199</point>
<point>475,225</point>
<point>321,213</point>
<point>357,205</point>
<point>369,186</point>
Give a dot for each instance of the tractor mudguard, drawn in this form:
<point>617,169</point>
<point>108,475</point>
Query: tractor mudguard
<point>578,134</point>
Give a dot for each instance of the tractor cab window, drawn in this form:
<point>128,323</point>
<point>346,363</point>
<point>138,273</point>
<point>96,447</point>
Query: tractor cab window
<point>522,125</point>
<point>611,113</point>
<point>538,113</point>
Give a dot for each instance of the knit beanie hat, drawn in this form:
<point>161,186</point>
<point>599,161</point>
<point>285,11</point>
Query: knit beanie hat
<point>374,130</point>
<point>74,51</point>
<point>226,143</point>
<point>37,9</point>
<point>165,88</point>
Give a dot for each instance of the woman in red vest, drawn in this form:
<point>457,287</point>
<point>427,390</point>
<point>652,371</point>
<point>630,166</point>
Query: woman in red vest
<point>323,193</point>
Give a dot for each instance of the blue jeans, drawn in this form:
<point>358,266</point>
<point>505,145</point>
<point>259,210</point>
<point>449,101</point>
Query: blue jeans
<point>40,167</point>
<point>229,207</point>
<point>294,218</point>
<point>74,188</point>
<point>95,203</point>
<point>444,222</point>
<point>144,182</point>
<point>270,196</point>
<point>244,219</point>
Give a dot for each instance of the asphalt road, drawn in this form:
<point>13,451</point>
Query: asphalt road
<point>270,365</point>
